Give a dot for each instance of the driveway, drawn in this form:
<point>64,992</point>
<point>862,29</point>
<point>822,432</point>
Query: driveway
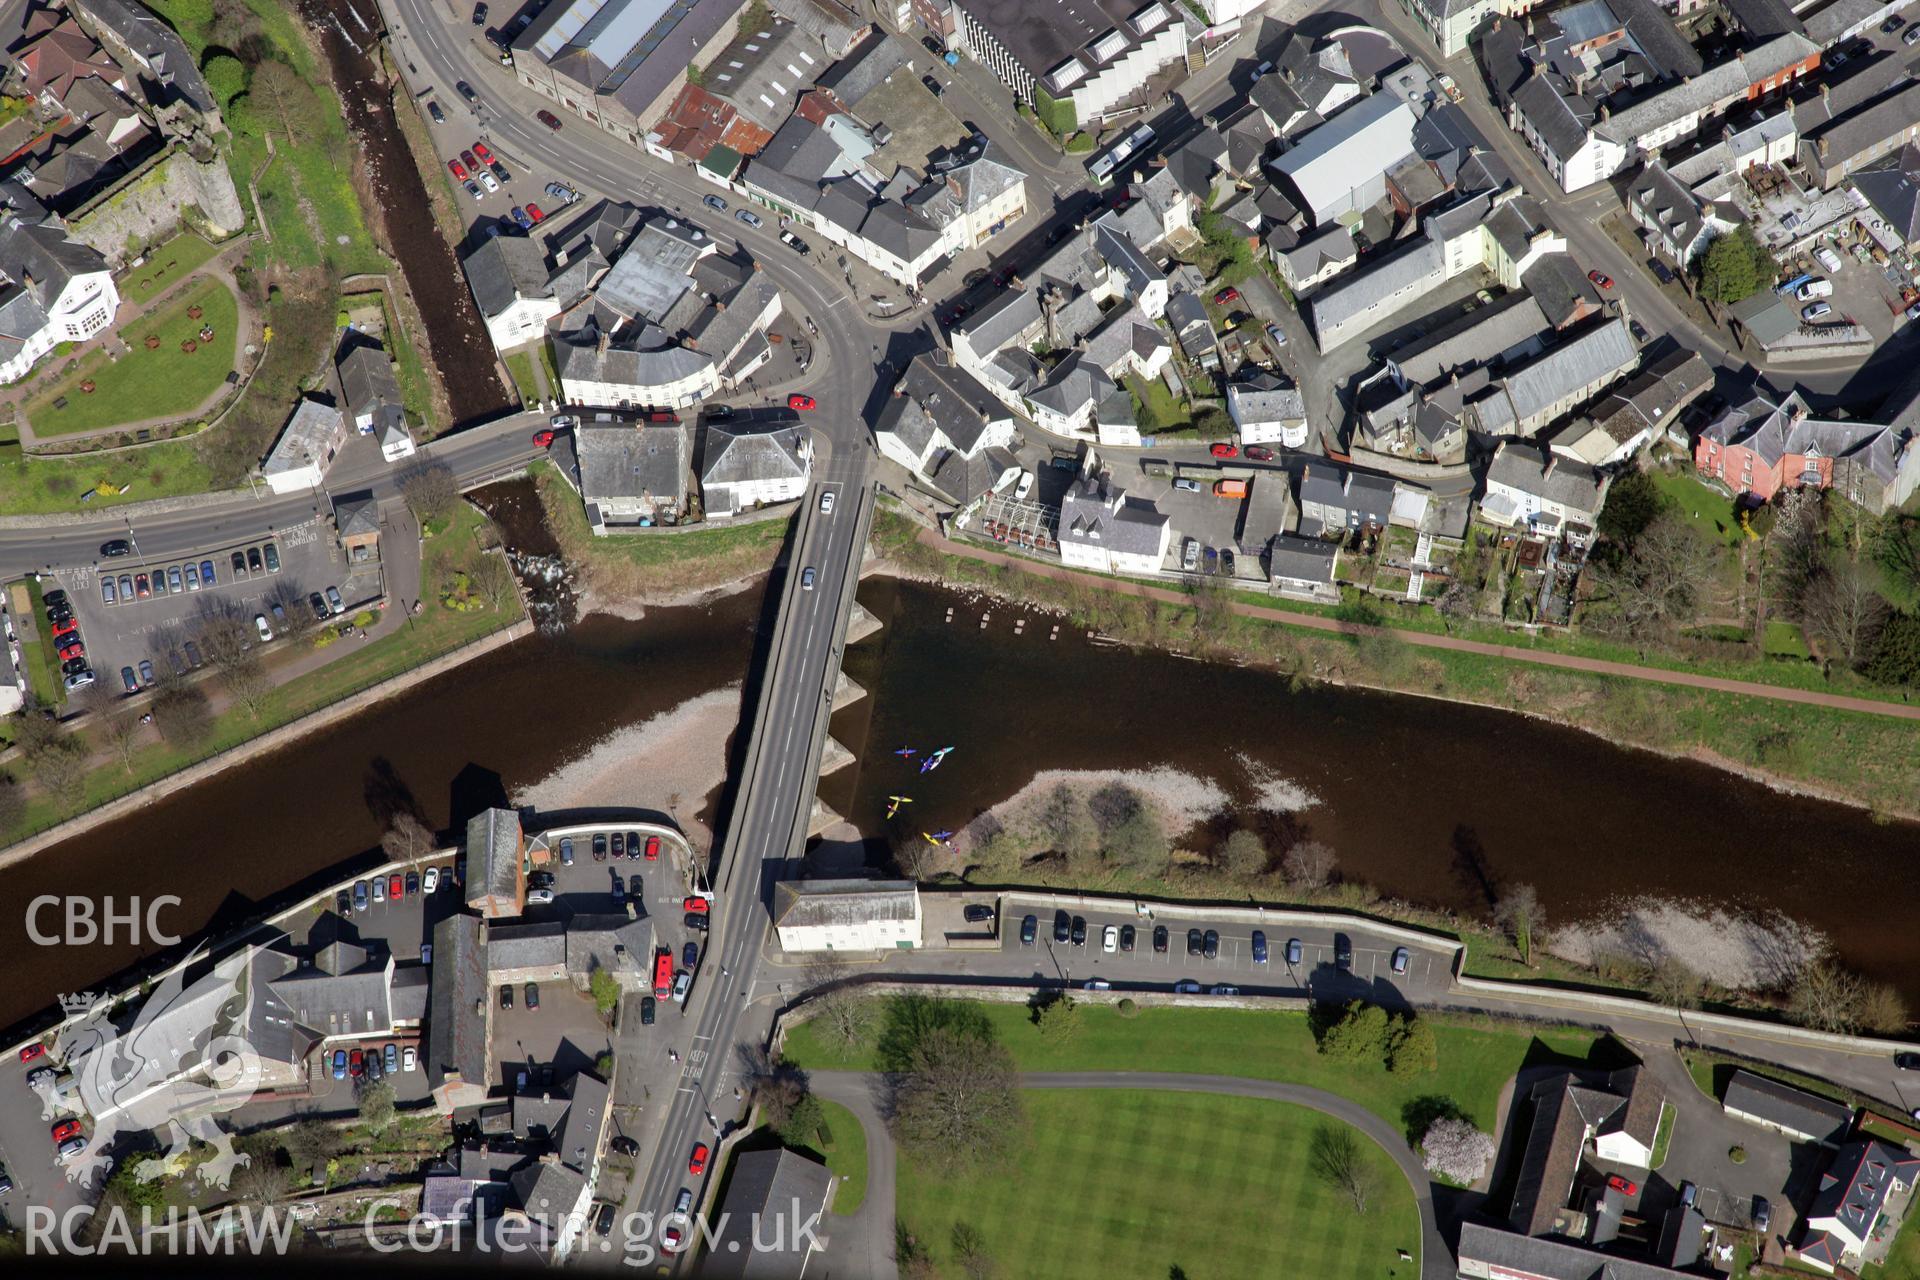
<point>874,1223</point>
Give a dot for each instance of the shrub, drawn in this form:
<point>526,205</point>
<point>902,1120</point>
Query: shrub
<point>1453,1148</point>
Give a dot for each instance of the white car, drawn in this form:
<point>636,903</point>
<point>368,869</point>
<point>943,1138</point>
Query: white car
<point>379,889</point>
<point>826,503</point>
<point>1025,486</point>
<point>430,881</point>
<point>260,625</point>
<point>1110,940</point>
<point>1225,990</point>
<point>1097,984</point>
<point>681,981</point>
<point>539,897</point>
<point>409,1060</point>
<point>1816,311</point>
<point>488,181</point>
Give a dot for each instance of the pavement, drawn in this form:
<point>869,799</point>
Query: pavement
<point>861,1093</point>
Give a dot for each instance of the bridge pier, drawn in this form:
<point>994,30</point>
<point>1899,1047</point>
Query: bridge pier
<point>834,757</point>
<point>860,623</point>
<point>846,692</point>
<point>823,817</point>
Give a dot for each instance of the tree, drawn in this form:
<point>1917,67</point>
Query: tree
<point>227,638</point>
<point>970,1251</point>
<point>1671,983</point>
<point>1129,830</point>
<point>1057,1018</point>
<point>1658,583</point>
<point>1308,865</point>
<point>1881,1008</point>
<point>13,804</point>
<point>116,721</point>
<point>604,989</point>
<point>430,491</point>
<point>493,579</point>
<point>1358,1034</point>
<point>803,1122</point>
<point>1245,854</point>
<point>284,102</point>
<point>1842,608</point>
<point>407,838</point>
<point>1896,652</point>
<point>1338,1159</point>
<point>56,760</point>
<point>1825,997</point>
<point>1520,914</point>
<point>1633,500</point>
<point>262,1180</point>
<point>1412,1047</point>
<point>844,1014</point>
<point>1062,822</point>
<point>312,1141</point>
<point>182,713</point>
<point>1455,1149</point>
<point>226,78</point>
<point>777,1087</point>
<point>1796,549</point>
<point>1735,267</point>
<point>957,1105</point>
<point>376,1106</point>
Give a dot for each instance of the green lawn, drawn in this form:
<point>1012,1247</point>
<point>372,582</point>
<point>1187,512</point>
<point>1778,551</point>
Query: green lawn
<point>1475,1061</point>
<point>436,631</point>
<point>1903,1261</point>
<point>1785,640</point>
<point>847,1156</point>
<point>35,486</point>
<point>162,382</point>
<point>1706,508</point>
<point>165,266</point>
<point>1159,409</point>
<point>520,365</point>
<point>1126,1183</point>
<point>36,650</point>
<point>1663,1134</point>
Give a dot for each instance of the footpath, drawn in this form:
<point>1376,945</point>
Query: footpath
<point>1426,640</point>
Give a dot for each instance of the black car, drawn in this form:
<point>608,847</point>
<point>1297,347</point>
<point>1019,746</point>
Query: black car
<point>1892,24</point>
<point>603,1221</point>
<point>533,995</point>
<point>600,846</point>
<point>1213,944</point>
<point>413,883</point>
<point>646,1011</point>
<point>1342,952</point>
<point>1195,941</point>
<point>933,46</point>
<point>1160,939</point>
<point>318,603</point>
<point>1126,937</point>
<point>933,86</point>
<point>506,995</point>
<point>73,666</point>
<point>480,15</point>
<point>619,844</point>
<point>439,116</point>
<point>690,954</point>
<point>466,90</point>
<point>193,653</point>
<point>697,921</point>
<point>116,547</point>
<point>254,562</point>
<point>1061,927</point>
<point>54,598</point>
<point>978,913</point>
<point>1907,1061</point>
<point>1029,929</point>
<point>1079,931</point>
<point>343,903</point>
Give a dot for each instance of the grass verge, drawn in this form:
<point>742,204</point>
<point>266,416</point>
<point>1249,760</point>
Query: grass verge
<point>654,564</point>
<point>520,365</point>
<point>43,666</point>
<point>1118,1179</point>
<point>1903,1260</point>
<point>1663,1134</point>
<point>846,1156</point>
<point>148,382</point>
<point>37,486</point>
<point>1476,1057</point>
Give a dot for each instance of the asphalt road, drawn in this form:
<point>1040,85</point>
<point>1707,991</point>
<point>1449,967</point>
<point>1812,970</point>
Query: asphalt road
<point>859,1091</point>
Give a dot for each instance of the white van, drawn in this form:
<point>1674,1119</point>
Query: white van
<point>1827,258</point>
<point>1814,289</point>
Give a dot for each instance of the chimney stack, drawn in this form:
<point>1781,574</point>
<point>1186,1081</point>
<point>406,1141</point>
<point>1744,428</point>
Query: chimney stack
<point>1553,460</point>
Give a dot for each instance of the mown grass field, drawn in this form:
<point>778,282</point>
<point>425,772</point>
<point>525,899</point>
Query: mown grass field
<point>1137,1183</point>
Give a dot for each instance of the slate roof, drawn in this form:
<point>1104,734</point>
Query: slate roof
<point>746,452</point>
<point>1793,1109</point>
<point>1855,1187</point>
<point>766,1185</point>
<point>843,903</point>
<point>1560,287</point>
<point>1549,1258</point>
<point>610,941</point>
<point>633,460</point>
<point>1564,1112</point>
<point>1283,404</point>
<point>1773,431</point>
<point>639,355</point>
<point>1525,467</point>
<point>963,477</point>
<point>1867,126</point>
<point>1301,559</point>
<point>547,1191</point>
<point>1001,320</point>
<point>1767,316</point>
<point>1332,245</point>
<point>1560,120</point>
<point>526,946</point>
<point>1599,354</point>
<point>1894,192</point>
<point>1364,290</point>
<point>1474,339</point>
<point>493,853</point>
<point>1094,512</point>
<point>356,513</point>
<point>457,1018</point>
<point>503,269</point>
<point>368,384</point>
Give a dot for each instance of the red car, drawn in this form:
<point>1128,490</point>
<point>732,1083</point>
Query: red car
<point>396,887</point>
<point>31,1052</point>
<point>543,439</point>
<point>695,902</point>
<point>480,149</point>
<point>653,848</point>
<point>698,1164</point>
<point>67,628</point>
<point>797,401</point>
<point>140,586</point>
<point>71,651</point>
<point>1600,280</point>
<point>64,1129</point>
<point>356,1064</point>
<point>548,119</point>
<point>533,212</point>
<point>1225,451</point>
<point>1619,1183</point>
<point>459,170</point>
<point>1225,296</point>
<point>1259,453</point>
<point>467,157</point>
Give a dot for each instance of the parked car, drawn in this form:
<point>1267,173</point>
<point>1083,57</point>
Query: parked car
<point>464,89</point>
<point>653,848</point>
<point>800,403</point>
<point>334,601</point>
<point>793,242</point>
<point>715,203</point>
<point>413,883</point>
<point>747,216</point>
<point>540,897</point>
<point>430,881</point>
<point>141,587</point>
<point>1186,987</point>
<point>107,595</point>
<point>506,995</point>
<point>1127,936</point>
<point>457,169</point>
<point>1212,943</point>
<point>433,109</point>
<point>533,210</point>
<point>1160,939</point>
<point>1661,271</point>
<point>126,589</point>
<point>1259,947</point>
<point>977,913</point>
<point>1225,451</point>
<point>128,681</point>
<point>360,895</point>
<point>260,625</point>
<point>533,995</point>
<point>681,982</point>
<point>32,1051</point>
<point>690,954</point>
<point>1623,1185</point>
<point>697,1162</point>
<point>396,886</point>
<point>1814,289</point>
<point>409,1059</point>
<point>1762,1207</point>
<point>1258,453</point>
<point>619,845</point>
<point>1029,929</point>
<point>1224,989</point>
<point>379,890</point>
<point>933,86</point>
<point>1186,485</point>
<point>561,192</point>
<point>1196,940</point>
<point>1342,952</point>
<point>357,1063</point>
<point>480,15</point>
<point>339,1064</point>
<point>1603,281</point>
<point>146,672</point>
<point>64,1129</point>
<point>1062,926</point>
<point>175,583</point>
<point>206,573</point>
<point>1401,958</point>
<point>1226,296</point>
<point>1079,931</point>
<point>193,577</point>
<point>548,119</point>
<point>1110,939</point>
<point>1817,311</point>
<point>1275,336</point>
<point>1912,36</point>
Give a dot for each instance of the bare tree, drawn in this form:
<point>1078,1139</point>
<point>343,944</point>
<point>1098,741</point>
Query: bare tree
<point>1841,608</point>
<point>1826,997</point>
<point>1308,864</point>
<point>970,1251</point>
<point>55,759</point>
<point>1519,913</point>
<point>1671,983</point>
<point>430,491</point>
<point>1339,1160</point>
<point>262,1180</point>
<point>13,804</point>
<point>1796,547</point>
<point>845,1015</point>
<point>407,838</point>
<point>493,579</point>
<point>116,722</point>
<point>1659,583</point>
<point>1883,1009</point>
<point>957,1106</point>
<point>1245,854</point>
<point>182,713</point>
<point>227,637</point>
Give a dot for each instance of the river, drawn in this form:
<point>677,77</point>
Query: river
<point>1402,788</point>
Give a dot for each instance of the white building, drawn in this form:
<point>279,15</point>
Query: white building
<point>847,915</point>
<point>1303,568</point>
<point>52,290</point>
<point>1268,415</point>
<point>1104,530</point>
<point>746,464</point>
<point>1531,486</point>
<point>510,285</point>
<point>951,432</point>
<point>305,449</point>
<point>1096,54</point>
<point>1341,166</point>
